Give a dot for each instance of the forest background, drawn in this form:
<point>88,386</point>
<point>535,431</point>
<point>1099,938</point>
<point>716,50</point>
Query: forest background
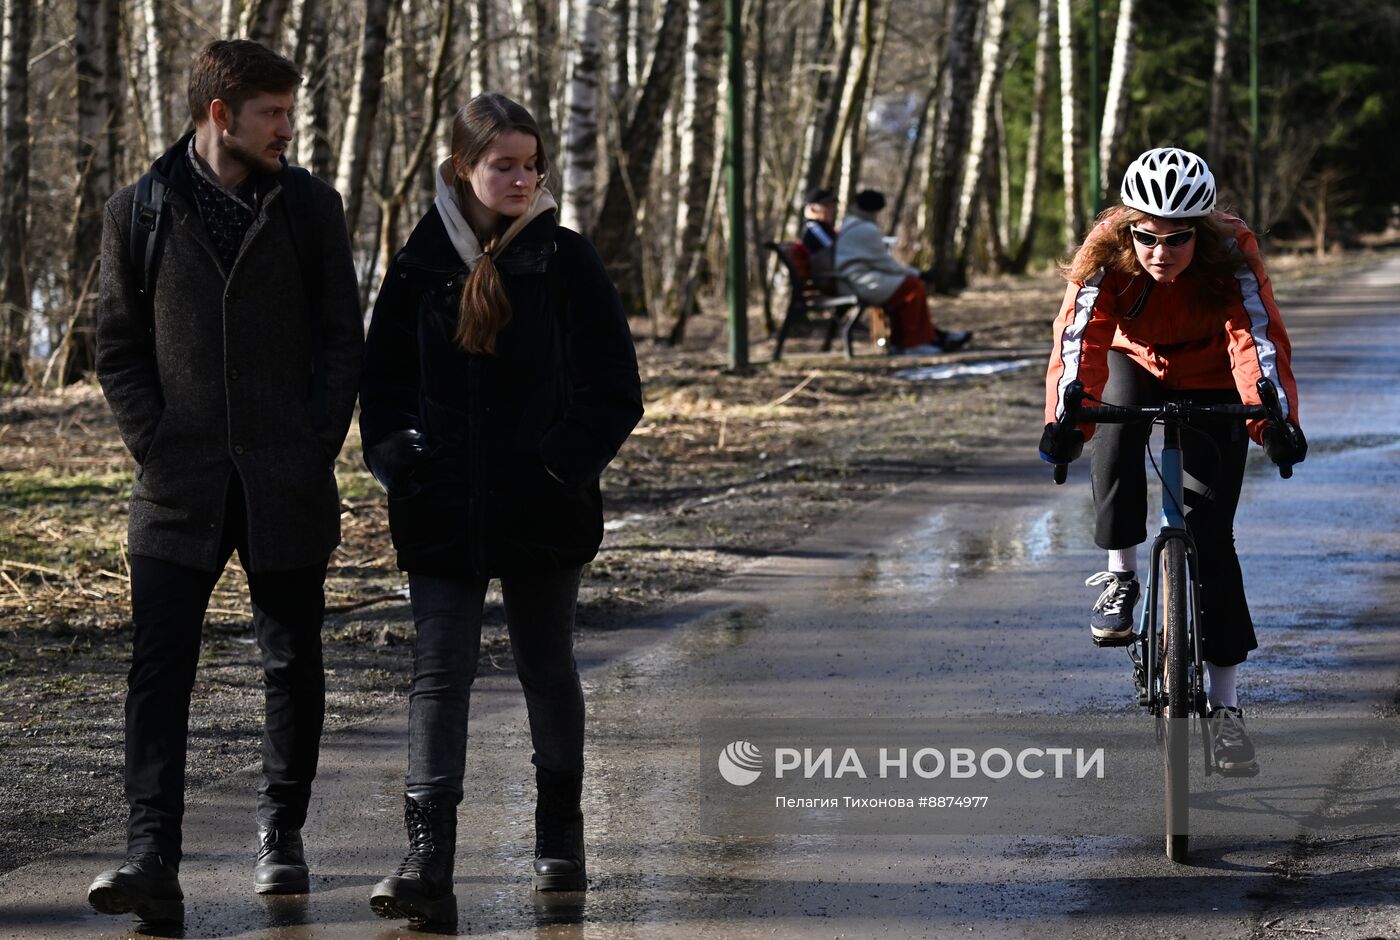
<point>976,117</point>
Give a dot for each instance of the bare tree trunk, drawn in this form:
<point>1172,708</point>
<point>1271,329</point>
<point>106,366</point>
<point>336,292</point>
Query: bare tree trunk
<point>698,146</point>
<point>228,17</point>
<point>94,20</point>
<point>1030,187</point>
<point>392,206</point>
<point>826,136</point>
<point>157,106</point>
<point>620,79</point>
<point>541,45</point>
<point>14,190</point>
<point>874,28</point>
<point>954,138</point>
<point>364,108</point>
<point>1074,213</point>
<point>1219,85</point>
<point>824,48</point>
<point>916,149</point>
<point>1115,109</point>
<point>479,29</point>
<point>624,201</point>
<point>758,218</point>
<point>312,51</point>
<point>580,188</point>
<point>261,21</point>
<point>974,170</point>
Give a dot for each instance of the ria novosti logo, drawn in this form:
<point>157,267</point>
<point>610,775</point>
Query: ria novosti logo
<point>741,763</point>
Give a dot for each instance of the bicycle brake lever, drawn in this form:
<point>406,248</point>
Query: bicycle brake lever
<point>1061,472</point>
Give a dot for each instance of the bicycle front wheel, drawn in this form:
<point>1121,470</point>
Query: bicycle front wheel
<point>1175,683</point>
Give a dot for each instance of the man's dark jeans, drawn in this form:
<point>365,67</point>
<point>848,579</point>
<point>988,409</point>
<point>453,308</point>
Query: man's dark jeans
<point>447,615</point>
<point>168,604</point>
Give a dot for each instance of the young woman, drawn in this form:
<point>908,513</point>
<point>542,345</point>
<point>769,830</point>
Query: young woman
<point>1168,299</point>
<point>500,379</point>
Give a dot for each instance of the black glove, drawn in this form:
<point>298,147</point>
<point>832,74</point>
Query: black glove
<point>1061,443</point>
<point>1285,444</point>
<point>392,459</point>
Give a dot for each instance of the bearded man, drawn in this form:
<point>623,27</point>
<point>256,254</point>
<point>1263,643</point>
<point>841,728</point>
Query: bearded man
<point>229,337</point>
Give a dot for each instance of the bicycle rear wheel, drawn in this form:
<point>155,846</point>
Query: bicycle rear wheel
<point>1176,740</point>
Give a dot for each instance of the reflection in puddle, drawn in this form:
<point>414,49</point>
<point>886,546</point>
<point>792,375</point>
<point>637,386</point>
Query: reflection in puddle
<point>951,546</point>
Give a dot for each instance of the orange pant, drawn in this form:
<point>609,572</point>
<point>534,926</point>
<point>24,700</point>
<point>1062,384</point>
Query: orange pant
<point>910,321</point>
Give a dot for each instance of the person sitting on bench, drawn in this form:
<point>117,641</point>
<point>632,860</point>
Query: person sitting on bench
<point>865,264</point>
<point>819,238</point>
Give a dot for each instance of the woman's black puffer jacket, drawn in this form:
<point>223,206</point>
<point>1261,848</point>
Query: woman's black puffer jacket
<point>492,461</point>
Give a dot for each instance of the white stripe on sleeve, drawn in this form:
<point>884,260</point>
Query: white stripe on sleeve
<point>1072,340</point>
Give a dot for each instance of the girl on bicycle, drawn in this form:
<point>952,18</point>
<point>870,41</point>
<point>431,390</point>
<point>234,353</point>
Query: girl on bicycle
<point>499,381</point>
<point>1168,299</point>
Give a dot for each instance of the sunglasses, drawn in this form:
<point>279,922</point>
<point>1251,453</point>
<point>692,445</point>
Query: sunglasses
<point>1171,239</point>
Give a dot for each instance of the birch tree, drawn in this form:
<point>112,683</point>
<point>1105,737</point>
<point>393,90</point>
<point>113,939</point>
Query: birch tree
<point>629,172</point>
<point>698,146</point>
<point>261,20</point>
<point>580,157</point>
<point>1219,84</point>
<point>152,53</point>
<point>1115,110</point>
<point>1030,184</point>
<point>482,75</point>
<point>620,76</point>
<point>973,171</point>
<point>544,37</point>
<point>825,132</point>
<point>311,57</point>
<point>364,108</point>
<point>392,205</point>
<point>1074,214</point>
<point>95,67</point>
<point>228,17</point>
<point>953,139</point>
<point>856,100</point>
<point>14,188</point>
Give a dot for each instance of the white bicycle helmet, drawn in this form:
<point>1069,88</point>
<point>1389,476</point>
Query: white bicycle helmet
<point>1170,184</point>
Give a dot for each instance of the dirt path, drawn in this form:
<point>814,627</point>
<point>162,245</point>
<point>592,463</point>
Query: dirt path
<point>723,470</point>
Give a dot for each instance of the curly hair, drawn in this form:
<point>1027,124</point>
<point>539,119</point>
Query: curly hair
<point>1109,245</point>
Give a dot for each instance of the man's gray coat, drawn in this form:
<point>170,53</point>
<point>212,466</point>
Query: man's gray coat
<point>214,383</point>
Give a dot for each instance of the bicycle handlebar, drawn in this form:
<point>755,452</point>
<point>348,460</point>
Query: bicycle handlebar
<point>1127,414</point>
<point>1076,412</point>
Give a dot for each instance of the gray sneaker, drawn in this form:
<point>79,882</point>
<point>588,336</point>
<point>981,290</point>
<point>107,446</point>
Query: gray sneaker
<point>1234,751</point>
<point>1111,620</point>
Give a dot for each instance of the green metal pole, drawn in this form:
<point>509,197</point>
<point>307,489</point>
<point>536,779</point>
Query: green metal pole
<point>1095,196</point>
<point>734,156</point>
<point>1254,168</point>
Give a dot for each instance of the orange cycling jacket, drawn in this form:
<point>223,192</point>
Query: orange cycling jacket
<point>1181,339</point>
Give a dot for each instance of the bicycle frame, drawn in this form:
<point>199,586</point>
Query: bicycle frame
<point>1147,652</point>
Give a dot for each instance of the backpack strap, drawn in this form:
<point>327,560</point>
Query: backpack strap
<point>147,211</point>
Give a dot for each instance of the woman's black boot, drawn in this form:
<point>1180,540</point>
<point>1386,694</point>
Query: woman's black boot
<point>559,863</point>
<point>421,889</point>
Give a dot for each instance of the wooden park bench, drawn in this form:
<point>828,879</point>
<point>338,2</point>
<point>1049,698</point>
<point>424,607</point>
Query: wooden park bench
<point>805,298</point>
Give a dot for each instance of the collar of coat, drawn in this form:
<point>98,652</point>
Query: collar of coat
<point>173,169</point>
<point>463,239</point>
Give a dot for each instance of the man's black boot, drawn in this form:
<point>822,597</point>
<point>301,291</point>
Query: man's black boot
<point>281,866</point>
<point>559,863</point>
<point>421,889</point>
<point>145,886</point>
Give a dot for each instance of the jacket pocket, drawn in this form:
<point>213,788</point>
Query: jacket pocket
<point>428,509</point>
